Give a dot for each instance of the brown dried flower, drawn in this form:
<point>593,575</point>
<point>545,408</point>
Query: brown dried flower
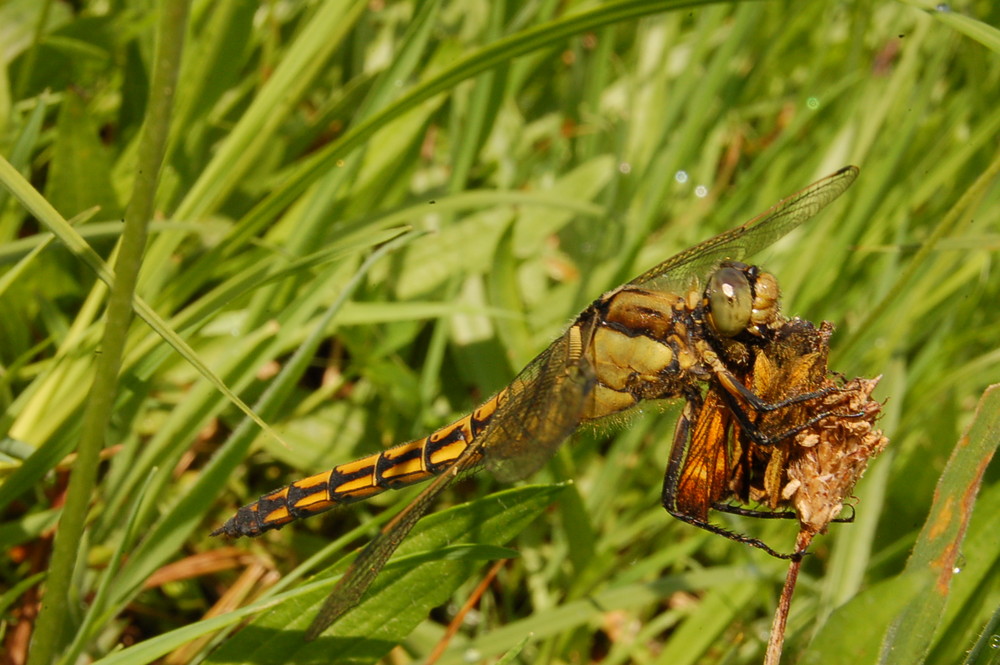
<point>830,438</point>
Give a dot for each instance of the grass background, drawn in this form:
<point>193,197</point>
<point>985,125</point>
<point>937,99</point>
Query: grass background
<point>371,215</point>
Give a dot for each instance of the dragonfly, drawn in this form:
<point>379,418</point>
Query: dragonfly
<point>694,320</point>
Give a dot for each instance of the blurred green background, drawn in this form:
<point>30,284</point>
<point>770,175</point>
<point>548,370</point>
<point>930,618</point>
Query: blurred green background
<point>520,159</point>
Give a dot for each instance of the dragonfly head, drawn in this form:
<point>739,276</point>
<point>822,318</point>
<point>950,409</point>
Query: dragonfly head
<point>741,298</point>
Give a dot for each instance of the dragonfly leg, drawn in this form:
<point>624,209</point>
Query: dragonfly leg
<point>772,514</point>
<point>733,386</point>
<point>750,512</point>
<point>738,537</point>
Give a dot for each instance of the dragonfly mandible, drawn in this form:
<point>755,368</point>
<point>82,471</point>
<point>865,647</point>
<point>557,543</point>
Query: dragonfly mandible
<point>694,320</point>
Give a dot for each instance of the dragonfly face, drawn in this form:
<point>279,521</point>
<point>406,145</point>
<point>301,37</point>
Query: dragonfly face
<point>698,319</point>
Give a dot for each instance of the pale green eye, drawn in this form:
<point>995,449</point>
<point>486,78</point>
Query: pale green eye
<point>729,300</point>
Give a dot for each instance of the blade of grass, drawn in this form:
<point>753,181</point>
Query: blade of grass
<point>985,34</point>
<point>939,545</point>
<point>494,55</point>
<point>495,518</point>
<point>854,631</point>
<point>49,637</point>
<point>176,523</point>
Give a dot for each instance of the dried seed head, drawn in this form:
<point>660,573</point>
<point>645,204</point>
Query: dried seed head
<point>815,469</point>
<point>828,459</point>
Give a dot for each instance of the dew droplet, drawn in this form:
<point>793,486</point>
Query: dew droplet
<point>681,177</point>
<point>995,641</point>
<point>701,191</point>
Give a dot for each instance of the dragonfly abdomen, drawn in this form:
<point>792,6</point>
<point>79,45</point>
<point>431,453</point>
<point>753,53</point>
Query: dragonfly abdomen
<point>397,467</point>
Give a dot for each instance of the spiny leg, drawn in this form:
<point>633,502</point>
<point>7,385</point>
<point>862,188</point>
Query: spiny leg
<point>732,385</point>
<point>771,514</point>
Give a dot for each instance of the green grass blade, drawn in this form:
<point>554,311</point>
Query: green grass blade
<point>938,548</point>
<point>854,632</point>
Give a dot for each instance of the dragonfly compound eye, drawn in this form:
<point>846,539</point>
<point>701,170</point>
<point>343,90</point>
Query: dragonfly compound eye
<point>730,302</point>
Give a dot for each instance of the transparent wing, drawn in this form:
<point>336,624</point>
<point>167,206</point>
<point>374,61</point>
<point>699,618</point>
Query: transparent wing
<point>541,408</point>
<point>750,237</point>
<point>356,580</point>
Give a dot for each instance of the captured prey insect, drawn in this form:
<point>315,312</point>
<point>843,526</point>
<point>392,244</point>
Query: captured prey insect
<point>694,321</point>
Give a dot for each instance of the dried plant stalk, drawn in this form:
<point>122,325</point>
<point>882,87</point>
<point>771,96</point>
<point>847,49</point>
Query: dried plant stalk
<point>832,437</point>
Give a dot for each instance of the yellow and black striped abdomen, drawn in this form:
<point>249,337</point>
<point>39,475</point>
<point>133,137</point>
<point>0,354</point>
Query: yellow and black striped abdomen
<point>402,465</point>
